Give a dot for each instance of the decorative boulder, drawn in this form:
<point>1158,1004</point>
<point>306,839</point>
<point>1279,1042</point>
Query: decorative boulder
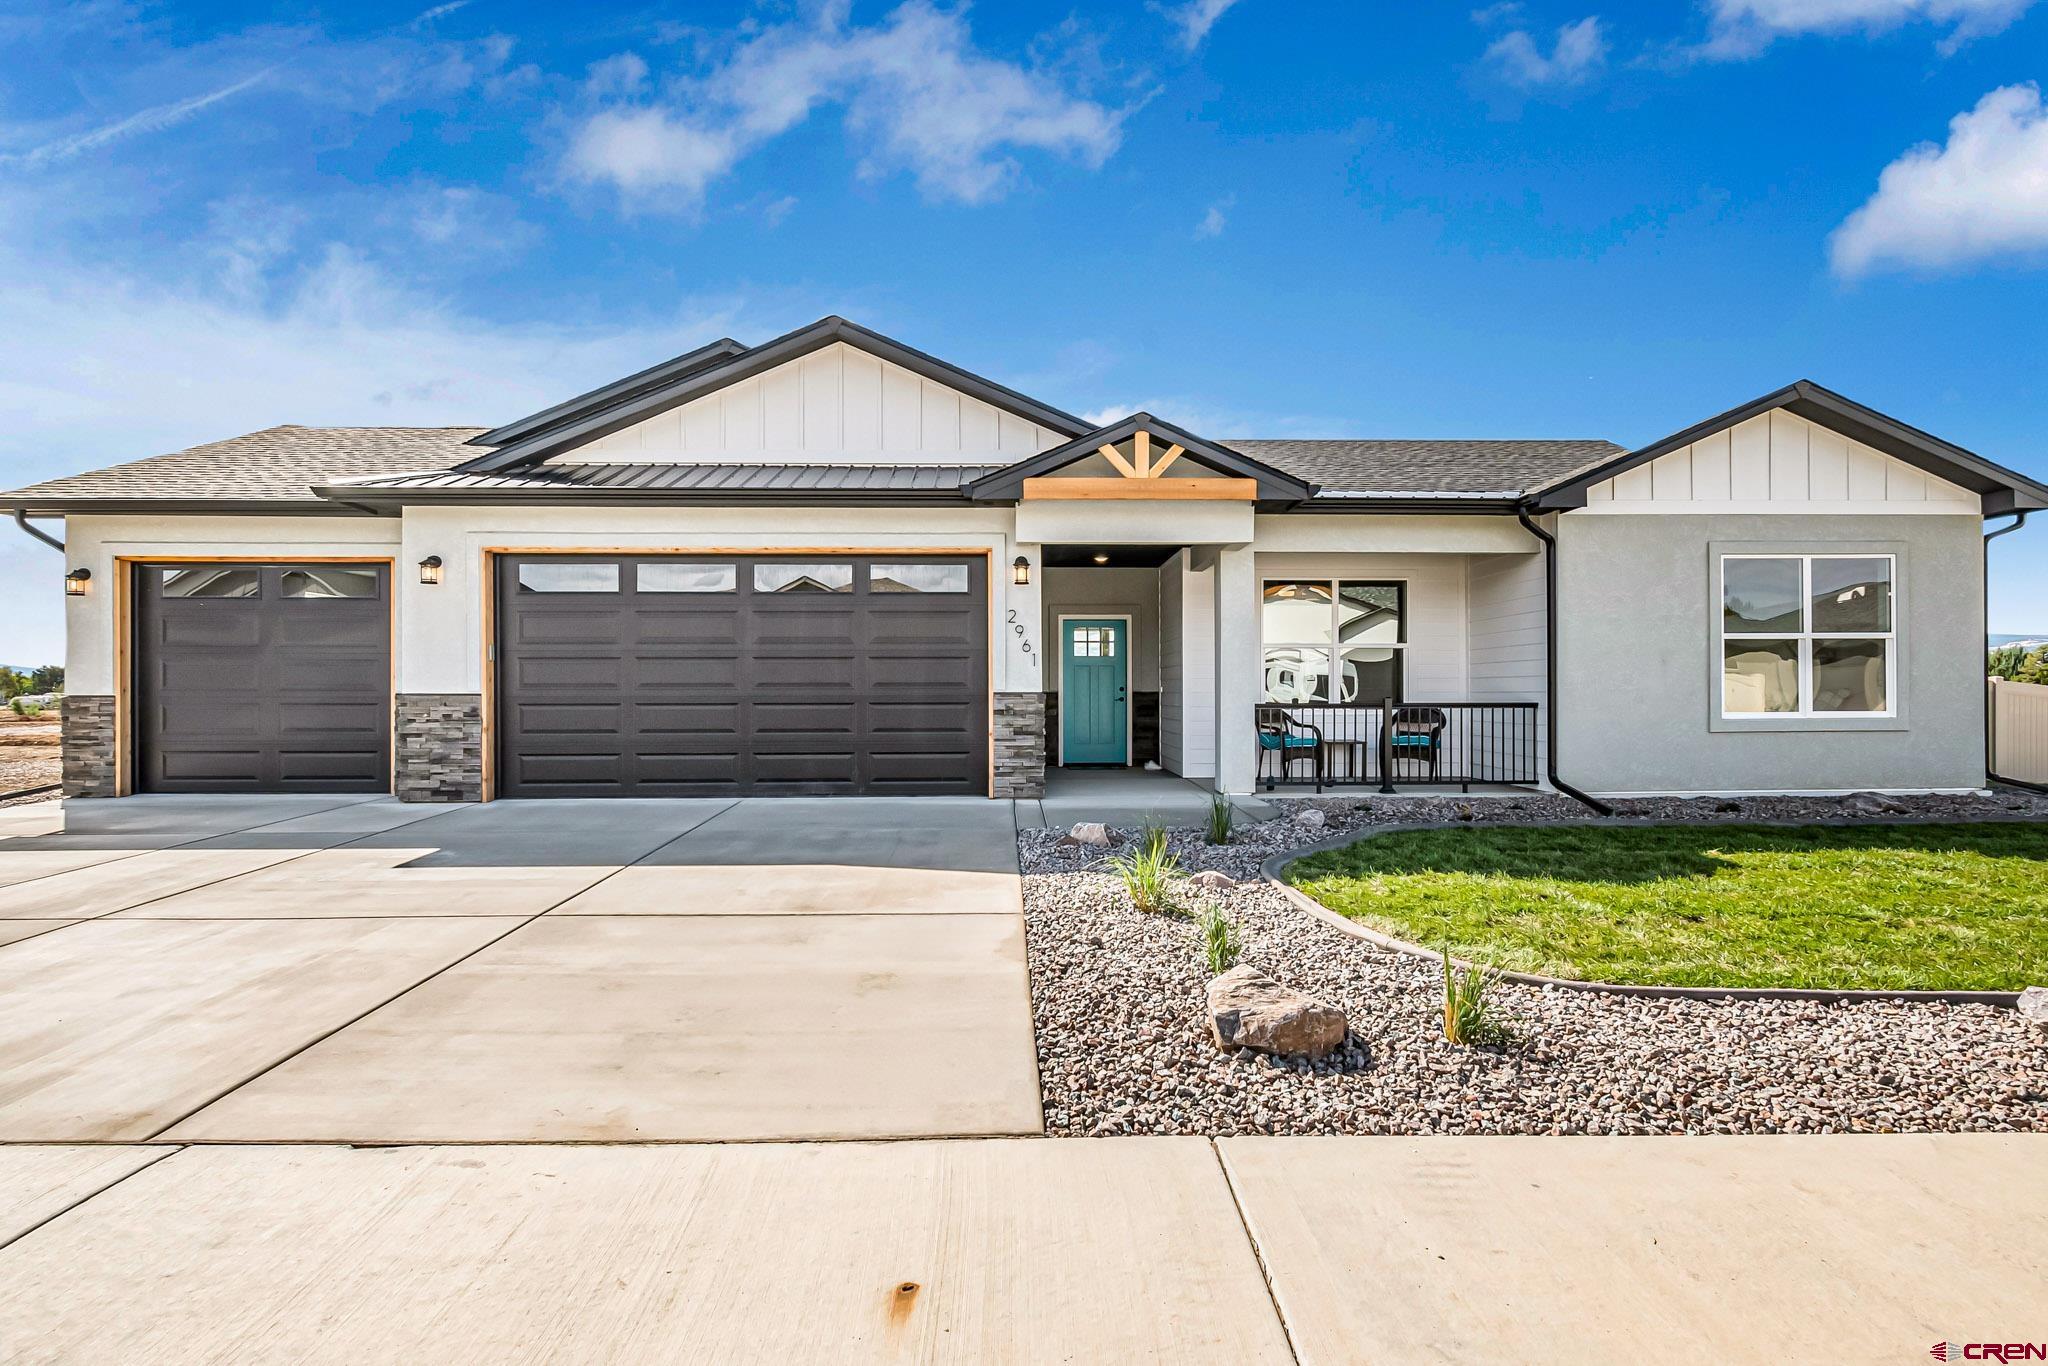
<point>2033,1005</point>
<point>1248,1009</point>
<point>1872,804</point>
<point>1211,880</point>
<point>1312,817</point>
<point>1090,832</point>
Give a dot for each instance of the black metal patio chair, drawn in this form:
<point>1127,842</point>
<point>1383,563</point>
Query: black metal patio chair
<point>1287,738</point>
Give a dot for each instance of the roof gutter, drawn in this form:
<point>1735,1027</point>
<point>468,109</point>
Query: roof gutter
<point>2019,519</point>
<point>21,520</point>
<point>1550,664</point>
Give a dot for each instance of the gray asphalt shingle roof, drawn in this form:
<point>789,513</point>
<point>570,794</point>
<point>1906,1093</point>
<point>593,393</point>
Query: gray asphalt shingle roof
<point>283,464</point>
<point>1428,466</point>
<point>277,464</point>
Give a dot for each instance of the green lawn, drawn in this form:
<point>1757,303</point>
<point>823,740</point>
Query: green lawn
<point>1895,907</point>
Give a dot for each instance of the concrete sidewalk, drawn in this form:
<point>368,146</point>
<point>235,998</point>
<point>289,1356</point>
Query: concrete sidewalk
<point>1466,1250</point>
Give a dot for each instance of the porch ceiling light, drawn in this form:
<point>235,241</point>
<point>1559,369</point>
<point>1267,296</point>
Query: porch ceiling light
<point>75,582</point>
<point>430,569</point>
<point>1020,570</point>
<point>1102,557</point>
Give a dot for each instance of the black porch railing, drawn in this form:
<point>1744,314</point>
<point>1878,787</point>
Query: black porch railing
<point>1390,744</point>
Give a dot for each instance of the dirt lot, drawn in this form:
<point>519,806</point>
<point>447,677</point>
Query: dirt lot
<point>30,754</point>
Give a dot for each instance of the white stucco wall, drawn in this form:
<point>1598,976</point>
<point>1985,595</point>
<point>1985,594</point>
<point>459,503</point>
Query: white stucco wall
<point>97,543</point>
<point>1388,533</point>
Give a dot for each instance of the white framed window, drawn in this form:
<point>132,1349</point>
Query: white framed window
<point>1332,640</point>
<point>1808,636</point>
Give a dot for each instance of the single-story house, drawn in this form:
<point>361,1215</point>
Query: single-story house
<point>831,564</point>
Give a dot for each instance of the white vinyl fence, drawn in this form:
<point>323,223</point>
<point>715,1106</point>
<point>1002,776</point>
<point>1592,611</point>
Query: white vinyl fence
<point>2019,730</point>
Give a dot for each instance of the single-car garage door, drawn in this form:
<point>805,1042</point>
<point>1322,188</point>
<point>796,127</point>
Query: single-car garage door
<point>263,677</point>
<point>736,675</point>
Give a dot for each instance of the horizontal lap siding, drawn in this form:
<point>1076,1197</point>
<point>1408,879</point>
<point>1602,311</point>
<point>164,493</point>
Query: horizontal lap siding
<point>1507,631</point>
<point>1172,668</point>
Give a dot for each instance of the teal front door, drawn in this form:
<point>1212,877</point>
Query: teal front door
<point>1095,677</point>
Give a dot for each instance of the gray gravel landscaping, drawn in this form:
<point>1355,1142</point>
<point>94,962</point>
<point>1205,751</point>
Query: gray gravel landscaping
<point>1123,1046</point>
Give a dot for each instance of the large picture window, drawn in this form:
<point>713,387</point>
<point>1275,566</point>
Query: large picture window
<point>1332,640</point>
<point>1808,635</point>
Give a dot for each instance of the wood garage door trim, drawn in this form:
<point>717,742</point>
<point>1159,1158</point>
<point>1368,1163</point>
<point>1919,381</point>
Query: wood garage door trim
<point>489,562</point>
<point>127,569</point>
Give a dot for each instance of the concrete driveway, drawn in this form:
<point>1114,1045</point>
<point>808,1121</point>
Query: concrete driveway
<point>338,969</point>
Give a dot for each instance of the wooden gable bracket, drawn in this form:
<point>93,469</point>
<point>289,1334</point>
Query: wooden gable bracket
<point>1140,478</point>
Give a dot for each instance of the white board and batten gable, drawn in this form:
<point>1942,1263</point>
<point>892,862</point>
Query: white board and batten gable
<point>837,405</point>
<point>1779,462</point>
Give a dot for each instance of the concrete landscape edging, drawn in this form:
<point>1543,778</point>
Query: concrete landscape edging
<point>1274,867</point>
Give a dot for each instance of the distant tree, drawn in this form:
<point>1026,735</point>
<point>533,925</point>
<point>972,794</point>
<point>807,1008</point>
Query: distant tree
<point>13,683</point>
<point>2004,661</point>
<point>48,678</point>
<point>2033,669</point>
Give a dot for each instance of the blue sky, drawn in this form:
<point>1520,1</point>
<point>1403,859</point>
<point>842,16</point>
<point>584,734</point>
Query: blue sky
<point>1255,217</point>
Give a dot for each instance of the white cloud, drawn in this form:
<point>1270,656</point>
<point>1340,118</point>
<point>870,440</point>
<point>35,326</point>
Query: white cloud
<point>273,64</point>
<point>1982,196</point>
<point>1578,51</point>
<point>100,365</point>
<point>1216,218</point>
<point>152,120</point>
<point>1194,18</point>
<point>644,150</point>
<point>915,90</point>
<point>1743,28</point>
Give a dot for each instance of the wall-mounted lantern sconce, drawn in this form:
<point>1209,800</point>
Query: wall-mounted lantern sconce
<point>1020,570</point>
<point>75,582</point>
<point>430,569</point>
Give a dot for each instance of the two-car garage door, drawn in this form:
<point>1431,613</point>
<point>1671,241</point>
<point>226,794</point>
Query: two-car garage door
<point>716,675</point>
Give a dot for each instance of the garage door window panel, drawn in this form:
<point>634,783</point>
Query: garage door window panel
<point>803,578</point>
<point>918,578</point>
<point>683,577</point>
<point>210,583</point>
<point>330,583</point>
<point>568,578</point>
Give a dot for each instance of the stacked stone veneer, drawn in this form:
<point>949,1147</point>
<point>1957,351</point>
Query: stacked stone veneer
<point>89,754</point>
<point>440,747</point>
<point>1020,744</point>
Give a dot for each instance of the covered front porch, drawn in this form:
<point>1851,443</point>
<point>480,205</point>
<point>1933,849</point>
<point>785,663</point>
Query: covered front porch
<point>1211,623</point>
<point>1245,671</point>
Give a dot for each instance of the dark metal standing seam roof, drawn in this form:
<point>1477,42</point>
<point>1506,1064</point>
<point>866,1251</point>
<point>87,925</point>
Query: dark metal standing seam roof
<point>674,478</point>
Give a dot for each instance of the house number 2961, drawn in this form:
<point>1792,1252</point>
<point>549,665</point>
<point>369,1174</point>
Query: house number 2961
<point>1023,643</point>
